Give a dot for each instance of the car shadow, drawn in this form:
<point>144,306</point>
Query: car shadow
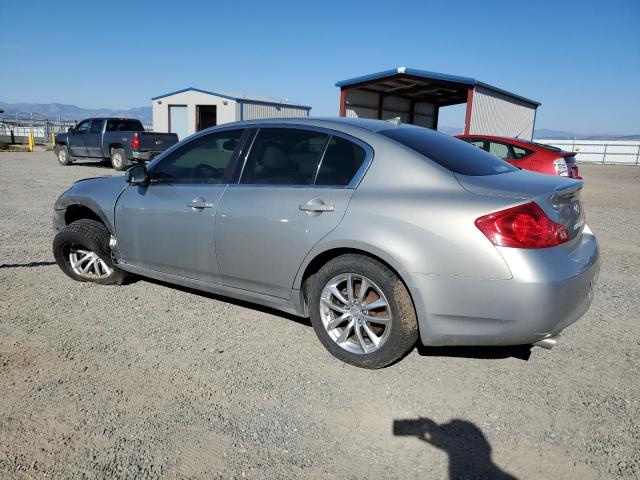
<point>520,352</point>
<point>100,164</point>
<point>464,443</point>
<point>26,265</point>
<point>232,301</point>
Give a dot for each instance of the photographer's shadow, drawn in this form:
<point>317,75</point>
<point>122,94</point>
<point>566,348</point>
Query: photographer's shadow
<point>468,449</point>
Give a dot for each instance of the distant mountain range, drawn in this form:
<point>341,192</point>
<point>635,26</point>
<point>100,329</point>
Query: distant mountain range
<point>73,112</point>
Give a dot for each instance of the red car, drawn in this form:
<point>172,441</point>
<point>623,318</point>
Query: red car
<point>527,155</point>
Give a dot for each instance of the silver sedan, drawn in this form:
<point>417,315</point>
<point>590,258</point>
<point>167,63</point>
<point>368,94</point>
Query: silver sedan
<point>382,234</point>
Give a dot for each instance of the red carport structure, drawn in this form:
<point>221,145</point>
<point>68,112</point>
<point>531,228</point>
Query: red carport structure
<point>416,96</point>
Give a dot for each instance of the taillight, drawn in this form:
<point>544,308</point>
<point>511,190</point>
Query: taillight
<point>524,226</point>
<point>135,141</point>
<point>561,167</point>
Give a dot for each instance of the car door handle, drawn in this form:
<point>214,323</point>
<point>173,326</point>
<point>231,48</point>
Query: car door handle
<point>198,204</point>
<point>316,207</point>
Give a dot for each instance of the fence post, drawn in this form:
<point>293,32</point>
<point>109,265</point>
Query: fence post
<point>31,141</point>
<point>638,154</point>
<point>604,155</point>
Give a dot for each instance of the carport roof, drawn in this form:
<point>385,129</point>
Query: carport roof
<point>403,81</point>
<point>237,97</point>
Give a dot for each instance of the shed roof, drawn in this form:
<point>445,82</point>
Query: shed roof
<point>403,81</point>
<point>238,97</point>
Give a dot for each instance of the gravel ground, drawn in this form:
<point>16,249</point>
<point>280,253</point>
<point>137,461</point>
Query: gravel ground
<point>149,380</point>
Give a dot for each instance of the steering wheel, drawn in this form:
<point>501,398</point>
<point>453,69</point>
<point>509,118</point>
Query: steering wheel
<point>204,171</point>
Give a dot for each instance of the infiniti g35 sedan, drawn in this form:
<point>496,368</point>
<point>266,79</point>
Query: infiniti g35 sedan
<point>382,234</point>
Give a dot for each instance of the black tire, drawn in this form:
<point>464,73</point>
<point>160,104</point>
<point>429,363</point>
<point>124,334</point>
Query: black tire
<point>403,332</point>
<point>119,159</point>
<point>92,236</point>
<point>63,155</point>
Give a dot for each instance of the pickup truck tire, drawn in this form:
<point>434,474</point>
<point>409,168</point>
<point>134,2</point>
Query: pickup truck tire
<point>64,158</point>
<point>119,159</point>
<point>81,250</point>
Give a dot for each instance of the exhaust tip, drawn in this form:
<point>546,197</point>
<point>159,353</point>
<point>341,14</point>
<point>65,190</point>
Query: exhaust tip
<point>547,343</point>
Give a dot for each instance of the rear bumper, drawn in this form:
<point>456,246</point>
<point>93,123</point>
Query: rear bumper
<point>550,289</point>
<point>144,156</point>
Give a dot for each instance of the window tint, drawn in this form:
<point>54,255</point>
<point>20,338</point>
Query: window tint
<point>96,126</point>
<point>449,152</point>
<point>499,150</point>
<point>124,125</point>
<point>284,156</point>
<point>202,160</point>
<point>519,152</point>
<point>82,126</point>
<point>340,163</point>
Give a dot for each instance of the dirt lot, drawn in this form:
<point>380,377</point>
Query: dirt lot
<point>149,380</point>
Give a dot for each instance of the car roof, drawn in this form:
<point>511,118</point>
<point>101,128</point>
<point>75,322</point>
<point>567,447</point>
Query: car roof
<point>328,122</point>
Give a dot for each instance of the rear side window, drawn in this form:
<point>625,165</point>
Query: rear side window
<point>284,156</point>
<point>451,153</point>
<point>124,125</point>
<point>340,163</point>
<point>96,126</point>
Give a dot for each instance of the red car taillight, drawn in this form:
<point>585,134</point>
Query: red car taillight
<point>135,142</point>
<point>524,226</point>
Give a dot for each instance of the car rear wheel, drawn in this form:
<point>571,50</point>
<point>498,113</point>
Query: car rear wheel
<point>82,251</point>
<point>63,155</point>
<point>362,312</point>
<point>119,159</point>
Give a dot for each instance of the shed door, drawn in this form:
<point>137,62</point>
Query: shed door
<point>178,120</point>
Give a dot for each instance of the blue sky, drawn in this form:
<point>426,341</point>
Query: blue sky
<point>581,59</point>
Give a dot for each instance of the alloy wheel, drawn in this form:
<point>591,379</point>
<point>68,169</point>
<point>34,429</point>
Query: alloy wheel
<point>88,264</point>
<point>355,313</point>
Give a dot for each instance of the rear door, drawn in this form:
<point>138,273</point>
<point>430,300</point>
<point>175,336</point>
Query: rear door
<point>94,138</point>
<point>168,226</point>
<point>294,189</point>
<point>78,139</point>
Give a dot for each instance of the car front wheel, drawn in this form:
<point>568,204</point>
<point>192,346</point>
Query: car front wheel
<point>362,312</point>
<point>81,250</point>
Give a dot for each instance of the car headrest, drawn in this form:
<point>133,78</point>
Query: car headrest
<point>274,157</point>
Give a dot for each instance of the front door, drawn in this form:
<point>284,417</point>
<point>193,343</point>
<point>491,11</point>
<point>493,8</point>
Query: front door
<point>78,139</point>
<point>294,189</point>
<point>178,121</point>
<point>94,139</point>
<point>168,226</point>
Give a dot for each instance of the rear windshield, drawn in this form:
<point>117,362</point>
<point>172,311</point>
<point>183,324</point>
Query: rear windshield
<point>124,126</point>
<point>453,154</point>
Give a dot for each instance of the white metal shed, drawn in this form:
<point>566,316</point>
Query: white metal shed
<point>191,109</point>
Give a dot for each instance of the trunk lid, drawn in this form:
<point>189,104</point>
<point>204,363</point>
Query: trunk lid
<point>559,197</point>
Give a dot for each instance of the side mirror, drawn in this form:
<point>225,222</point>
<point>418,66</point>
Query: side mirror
<point>70,130</point>
<point>137,175</point>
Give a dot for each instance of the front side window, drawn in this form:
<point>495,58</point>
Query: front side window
<point>340,163</point>
<point>82,127</point>
<point>96,126</point>
<point>284,156</point>
<point>202,160</point>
